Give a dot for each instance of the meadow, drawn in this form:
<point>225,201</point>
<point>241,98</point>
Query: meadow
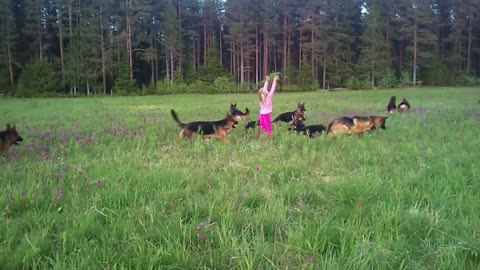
<point>106,183</point>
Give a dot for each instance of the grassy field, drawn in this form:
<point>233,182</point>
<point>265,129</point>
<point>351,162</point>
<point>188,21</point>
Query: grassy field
<point>106,183</point>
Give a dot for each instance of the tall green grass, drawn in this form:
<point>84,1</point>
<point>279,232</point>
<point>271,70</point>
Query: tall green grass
<point>107,183</point>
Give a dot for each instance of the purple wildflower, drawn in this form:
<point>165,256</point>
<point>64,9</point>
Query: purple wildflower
<point>10,200</point>
<point>420,109</point>
<point>59,195</point>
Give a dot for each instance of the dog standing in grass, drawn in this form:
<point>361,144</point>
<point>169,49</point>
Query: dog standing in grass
<point>288,116</point>
<point>391,104</point>
<point>207,129</point>
<point>8,138</point>
<point>299,126</point>
<point>404,105</point>
<point>355,125</point>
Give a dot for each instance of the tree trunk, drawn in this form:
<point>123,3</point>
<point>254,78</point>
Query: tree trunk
<point>469,48</point>
<point>180,41</point>
<point>156,57</point>
<point>285,31</point>
<point>415,41</point>
<point>129,38</point>
<point>70,26</point>
<point>172,65</point>
<point>265,49</point>
<point>257,54</point>
<point>300,48</point>
<point>242,64</point>
<point>204,43</point>
<point>60,41</point>
<point>167,66</point>
<point>102,44</point>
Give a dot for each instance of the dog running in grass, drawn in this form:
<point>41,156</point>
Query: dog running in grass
<point>237,114</point>
<point>298,125</point>
<point>207,129</point>
<point>379,121</point>
<point>288,116</point>
<point>8,138</point>
<point>351,125</point>
<point>391,104</point>
<point>404,105</point>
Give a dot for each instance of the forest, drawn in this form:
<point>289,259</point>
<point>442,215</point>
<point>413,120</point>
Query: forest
<point>134,47</point>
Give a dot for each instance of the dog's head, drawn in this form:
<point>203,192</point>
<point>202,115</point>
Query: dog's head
<point>230,122</point>
<point>237,114</point>
<point>301,106</point>
<point>380,121</point>
<point>12,135</point>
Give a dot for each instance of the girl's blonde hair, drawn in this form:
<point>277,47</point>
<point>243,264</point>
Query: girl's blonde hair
<point>262,95</point>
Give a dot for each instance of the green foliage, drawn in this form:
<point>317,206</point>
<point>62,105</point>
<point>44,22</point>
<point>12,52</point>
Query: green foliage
<point>389,80</point>
<point>172,87</point>
<point>466,79</point>
<point>405,79</point>
<point>224,85</point>
<point>305,78</point>
<point>353,83</point>
<point>212,67</point>
<point>123,85</point>
<point>38,80</point>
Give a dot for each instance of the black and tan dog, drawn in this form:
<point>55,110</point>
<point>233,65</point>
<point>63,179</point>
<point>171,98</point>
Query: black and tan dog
<point>391,104</point>
<point>8,138</point>
<point>404,105</point>
<point>298,125</point>
<point>351,125</point>
<point>207,129</point>
<point>237,114</point>
<point>288,116</point>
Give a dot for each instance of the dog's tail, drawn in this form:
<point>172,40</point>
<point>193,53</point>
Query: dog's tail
<point>175,118</point>
<point>247,112</point>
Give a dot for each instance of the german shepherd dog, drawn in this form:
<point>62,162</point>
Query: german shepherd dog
<point>288,116</point>
<point>354,125</point>
<point>208,129</point>
<point>391,104</point>
<point>237,114</point>
<point>404,105</point>
<point>299,126</point>
<point>8,138</point>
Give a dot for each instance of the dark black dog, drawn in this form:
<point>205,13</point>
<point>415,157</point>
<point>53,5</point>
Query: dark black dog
<point>252,124</point>
<point>404,105</point>
<point>299,126</point>
<point>391,105</point>
<point>288,116</point>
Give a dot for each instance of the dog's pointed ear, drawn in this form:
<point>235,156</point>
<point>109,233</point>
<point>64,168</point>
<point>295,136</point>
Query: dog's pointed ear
<point>8,126</point>
<point>14,126</point>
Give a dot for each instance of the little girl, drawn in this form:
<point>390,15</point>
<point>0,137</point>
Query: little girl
<point>266,105</point>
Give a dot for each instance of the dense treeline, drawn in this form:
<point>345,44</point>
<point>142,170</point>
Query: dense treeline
<point>81,47</point>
